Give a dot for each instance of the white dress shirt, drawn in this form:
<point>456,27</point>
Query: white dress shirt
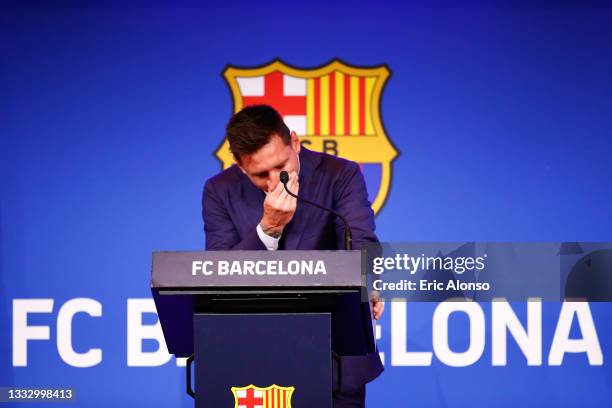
<point>271,243</point>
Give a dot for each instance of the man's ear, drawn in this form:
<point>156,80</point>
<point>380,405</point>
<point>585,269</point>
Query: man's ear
<point>295,142</point>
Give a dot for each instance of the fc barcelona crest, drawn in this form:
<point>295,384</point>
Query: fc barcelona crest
<point>273,396</point>
<point>334,109</point>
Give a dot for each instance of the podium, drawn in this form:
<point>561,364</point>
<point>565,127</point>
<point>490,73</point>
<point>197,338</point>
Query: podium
<point>263,328</point>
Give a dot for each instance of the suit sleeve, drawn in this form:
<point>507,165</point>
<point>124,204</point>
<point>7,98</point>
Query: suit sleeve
<point>219,229</point>
<point>351,200</point>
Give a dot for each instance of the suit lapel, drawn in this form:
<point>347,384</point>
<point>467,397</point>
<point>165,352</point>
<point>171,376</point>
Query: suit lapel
<point>252,199</point>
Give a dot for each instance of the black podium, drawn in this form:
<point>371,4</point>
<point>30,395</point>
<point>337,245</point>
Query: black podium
<point>263,327</point>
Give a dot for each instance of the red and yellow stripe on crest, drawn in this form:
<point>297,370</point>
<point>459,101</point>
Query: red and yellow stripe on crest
<point>339,104</point>
<point>277,398</point>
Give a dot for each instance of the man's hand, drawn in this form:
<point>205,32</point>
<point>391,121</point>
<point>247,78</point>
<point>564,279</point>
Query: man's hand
<point>378,305</point>
<point>279,206</point>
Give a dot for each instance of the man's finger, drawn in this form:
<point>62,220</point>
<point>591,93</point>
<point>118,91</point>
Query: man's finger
<point>277,190</point>
<point>282,199</point>
<point>295,186</point>
<point>295,180</point>
<point>291,184</point>
<point>292,181</point>
<point>379,308</point>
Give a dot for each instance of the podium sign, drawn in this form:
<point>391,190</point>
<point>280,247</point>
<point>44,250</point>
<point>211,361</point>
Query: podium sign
<point>240,269</point>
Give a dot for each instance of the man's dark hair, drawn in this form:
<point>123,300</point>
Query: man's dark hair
<point>251,128</point>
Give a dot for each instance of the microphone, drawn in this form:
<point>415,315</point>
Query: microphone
<point>348,236</point>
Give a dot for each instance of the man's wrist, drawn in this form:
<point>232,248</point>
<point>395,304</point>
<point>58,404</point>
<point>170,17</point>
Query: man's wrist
<point>272,231</point>
<point>270,243</point>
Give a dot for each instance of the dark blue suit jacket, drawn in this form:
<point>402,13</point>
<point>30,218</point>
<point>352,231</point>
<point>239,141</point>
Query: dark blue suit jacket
<point>232,207</point>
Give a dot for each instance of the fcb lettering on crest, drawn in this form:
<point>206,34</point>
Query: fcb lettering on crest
<point>334,109</point>
<point>273,396</point>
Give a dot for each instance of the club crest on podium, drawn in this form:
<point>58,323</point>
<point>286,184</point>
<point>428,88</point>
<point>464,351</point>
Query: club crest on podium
<point>273,396</point>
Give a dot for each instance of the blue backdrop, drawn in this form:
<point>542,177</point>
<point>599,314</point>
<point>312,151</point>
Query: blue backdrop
<point>110,116</point>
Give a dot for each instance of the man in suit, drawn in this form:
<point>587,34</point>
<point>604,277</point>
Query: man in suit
<point>246,207</point>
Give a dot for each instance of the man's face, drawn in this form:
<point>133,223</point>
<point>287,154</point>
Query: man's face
<point>266,163</point>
